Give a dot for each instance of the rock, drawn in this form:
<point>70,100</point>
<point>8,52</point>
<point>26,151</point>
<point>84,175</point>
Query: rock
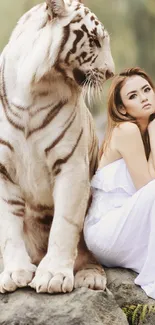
<point>81,307</point>
<point>139,309</point>
<point>126,292</point>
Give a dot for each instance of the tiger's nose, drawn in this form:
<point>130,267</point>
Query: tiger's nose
<point>109,74</point>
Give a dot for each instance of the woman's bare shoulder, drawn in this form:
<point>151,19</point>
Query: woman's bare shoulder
<point>126,127</point>
<point>125,135</point>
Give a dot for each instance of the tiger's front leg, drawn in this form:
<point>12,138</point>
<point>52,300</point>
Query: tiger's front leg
<point>18,270</point>
<point>71,192</point>
<point>88,272</point>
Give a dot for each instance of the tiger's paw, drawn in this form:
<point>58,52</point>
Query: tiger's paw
<point>60,282</point>
<point>90,278</point>
<point>10,281</point>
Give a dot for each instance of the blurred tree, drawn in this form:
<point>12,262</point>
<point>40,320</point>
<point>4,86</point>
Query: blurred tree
<point>142,21</point>
<point>27,4</point>
<point>131,27</point>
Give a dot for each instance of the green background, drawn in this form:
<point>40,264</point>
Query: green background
<point>130,23</point>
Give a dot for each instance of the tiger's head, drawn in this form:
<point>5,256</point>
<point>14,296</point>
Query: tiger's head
<point>84,49</point>
<point>60,40</point>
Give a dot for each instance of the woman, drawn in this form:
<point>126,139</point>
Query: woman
<point>120,225</point>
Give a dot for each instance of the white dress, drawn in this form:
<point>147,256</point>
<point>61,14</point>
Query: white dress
<point>120,225</point>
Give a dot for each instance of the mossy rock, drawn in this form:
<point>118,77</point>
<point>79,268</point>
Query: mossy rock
<point>137,314</point>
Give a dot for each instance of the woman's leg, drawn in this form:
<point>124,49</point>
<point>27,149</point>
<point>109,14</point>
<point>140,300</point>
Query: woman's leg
<point>125,237</point>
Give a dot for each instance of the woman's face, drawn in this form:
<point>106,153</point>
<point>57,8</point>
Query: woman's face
<point>138,97</point>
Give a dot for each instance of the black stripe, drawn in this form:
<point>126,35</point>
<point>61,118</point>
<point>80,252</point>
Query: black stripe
<point>6,143</point>
<point>65,159</point>
<point>76,19</point>
<point>41,109</point>
<point>66,33</point>
<point>5,174</point>
<point>79,35</point>
<point>86,11</point>
<point>88,60</point>
<point>42,208</point>
<point>54,143</point>
<point>21,108</point>
<point>5,95</point>
<point>15,202</point>
<point>78,7</point>
<point>18,214</point>
<point>94,59</point>
<point>84,28</point>
<point>5,102</point>
<point>50,116</point>
<point>45,219</point>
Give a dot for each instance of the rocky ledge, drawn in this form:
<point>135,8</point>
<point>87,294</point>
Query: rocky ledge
<point>122,303</point>
<point>139,309</point>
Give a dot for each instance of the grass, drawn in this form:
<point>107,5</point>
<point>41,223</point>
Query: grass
<point>137,314</point>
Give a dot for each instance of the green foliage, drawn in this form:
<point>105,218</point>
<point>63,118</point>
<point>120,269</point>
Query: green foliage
<point>131,27</point>
<point>10,12</point>
<point>137,314</point>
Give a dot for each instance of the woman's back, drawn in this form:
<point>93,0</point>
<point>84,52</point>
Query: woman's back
<point>126,142</point>
<point>111,187</point>
<point>111,153</point>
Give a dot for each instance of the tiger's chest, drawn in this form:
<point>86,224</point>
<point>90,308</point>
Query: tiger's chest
<point>32,174</point>
<point>42,139</point>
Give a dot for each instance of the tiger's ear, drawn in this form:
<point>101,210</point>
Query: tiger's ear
<point>56,8</point>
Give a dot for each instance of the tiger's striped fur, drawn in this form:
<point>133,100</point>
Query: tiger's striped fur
<point>48,146</point>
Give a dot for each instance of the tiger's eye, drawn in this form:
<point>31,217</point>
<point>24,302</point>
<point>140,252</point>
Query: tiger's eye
<point>97,43</point>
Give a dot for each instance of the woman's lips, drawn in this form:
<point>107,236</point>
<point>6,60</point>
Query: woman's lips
<point>147,105</point>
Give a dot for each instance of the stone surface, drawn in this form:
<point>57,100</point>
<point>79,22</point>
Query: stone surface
<point>126,292</point>
<point>81,307</point>
<point>129,295</point>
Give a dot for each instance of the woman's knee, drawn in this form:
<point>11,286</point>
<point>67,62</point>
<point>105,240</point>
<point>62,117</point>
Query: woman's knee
<point>89,236</point>
<point>149,190</point>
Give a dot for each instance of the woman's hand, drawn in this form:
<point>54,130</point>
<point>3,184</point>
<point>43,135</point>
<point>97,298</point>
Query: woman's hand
<point>151,166</point>
<point>152,117</point>
<point>151,126</point>
<point>151,131</point>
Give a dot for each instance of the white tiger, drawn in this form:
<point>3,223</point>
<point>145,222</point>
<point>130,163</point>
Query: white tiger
<point>48,146</point>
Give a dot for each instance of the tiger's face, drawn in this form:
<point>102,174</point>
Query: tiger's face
<point>60,41</point>
<point>84,51</point>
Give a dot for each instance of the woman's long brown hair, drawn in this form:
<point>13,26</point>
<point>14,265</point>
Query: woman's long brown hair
<point>115,117</point>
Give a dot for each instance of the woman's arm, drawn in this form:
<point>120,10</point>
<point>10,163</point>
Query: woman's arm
<point>128,142</point>
<point>151,131</point>
<point>151,166</point>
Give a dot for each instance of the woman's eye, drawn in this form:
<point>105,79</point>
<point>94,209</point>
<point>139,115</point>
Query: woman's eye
<point>132,96</point>
<point>147,89</point>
